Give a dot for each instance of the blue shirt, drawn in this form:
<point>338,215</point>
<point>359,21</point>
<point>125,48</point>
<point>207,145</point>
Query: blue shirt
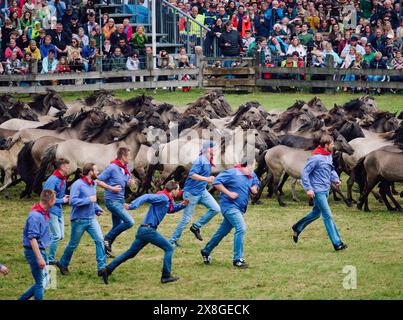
<point>53,183</point>
<point>235,181</point>
<point>318,173</point>
<point>114,175</point>
<point>159,207</point>
<point>201,166</point>
<point>36,227</point>
<point>82,207</point>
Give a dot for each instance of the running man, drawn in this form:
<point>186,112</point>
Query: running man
<point>234,185</point>
<point>195,191</point>
<point>160,204</point>
<point>317,176</point>
<point>35,241</point>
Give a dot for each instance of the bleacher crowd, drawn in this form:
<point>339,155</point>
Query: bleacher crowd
<point>69,36</point>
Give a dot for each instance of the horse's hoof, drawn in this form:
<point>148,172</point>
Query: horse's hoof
<point>367,210</point>
<point>283,205</point>
<point>337,199</point>
<point>257,202</point>
<point>349,204</point>
<point>295,200</point>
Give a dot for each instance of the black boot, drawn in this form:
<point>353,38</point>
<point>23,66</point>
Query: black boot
<point>168,278</point>
<point>340,247</point>
<point>104,274</point>
<point>196,232</point>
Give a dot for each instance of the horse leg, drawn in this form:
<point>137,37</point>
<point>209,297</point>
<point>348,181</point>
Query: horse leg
<point>390,194</point>
<point>377,196</point>
<point>370,184</point>
<point>293,190</point>
<point>276,181</point>
<point>350,183</point>
<point>280,187</point>
<point>255,199</point>
<point>394,191</point>
<point>338,191</point>
<point>269,185</point>
<point>382,192</point>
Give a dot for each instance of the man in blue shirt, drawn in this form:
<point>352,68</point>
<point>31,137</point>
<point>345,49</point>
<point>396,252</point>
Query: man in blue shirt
<point>195,190</point>
<point>117,174</point>
<point>57,182</point>
<point>160,204</point>
<point>35,241</point>
<point>234,185</point>
<point>83,199</point>
<point>317,176</point>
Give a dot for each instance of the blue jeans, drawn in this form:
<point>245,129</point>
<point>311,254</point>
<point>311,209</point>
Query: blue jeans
<point>207,200</point>
<point>78,227</point>
<point>56,228</point>
<point>121,219</point>
<point>37,289</point>
<point>144,236</point>
<point>233,218</point>
<point>320,207</point>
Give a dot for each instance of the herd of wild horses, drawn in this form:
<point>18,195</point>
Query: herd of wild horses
<point>368,142</point>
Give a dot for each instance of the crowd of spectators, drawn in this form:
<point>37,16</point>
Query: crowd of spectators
<point>63,36</point>
<point>296,33</point>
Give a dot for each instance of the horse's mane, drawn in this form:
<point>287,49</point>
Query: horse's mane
<point>134,128</point>
<point>187,122</point>
<point>353,105</point>
<point>164,107</point>
<point>93,98</point>
<point>285,119</point>
<point>298,104</point>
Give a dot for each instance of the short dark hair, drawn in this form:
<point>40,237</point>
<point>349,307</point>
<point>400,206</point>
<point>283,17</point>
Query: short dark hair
<point>87,168</point>
<point>47,195</point>
<point>171,185</point>
<point>247,160</point>
<point>325,139</point>
<point>61,161</point>
<point>122,151</point>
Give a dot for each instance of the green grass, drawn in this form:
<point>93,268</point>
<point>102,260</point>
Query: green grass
<point>270,101</point>
<point>279,268</point>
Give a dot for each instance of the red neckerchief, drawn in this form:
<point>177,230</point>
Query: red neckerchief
<point>322,151</point>
<point>171,200</point>
<point>63,178</point>
<point>91,183</point>
<point>121,165</point>
<point>211,160</point>
<point>38,207</point>
<point>242,169</point>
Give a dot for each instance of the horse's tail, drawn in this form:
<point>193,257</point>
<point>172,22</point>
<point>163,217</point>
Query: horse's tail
<point>261,165</point>
<point>360,174</point>
<point>48,158</point>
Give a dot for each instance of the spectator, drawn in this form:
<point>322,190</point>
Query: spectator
<point>26,23</point>
<point>76,62</point>
<point>13,64</point>
<point>241,21</point>
<point>125,49</point>
<point>165,60</point>
<point>128,29</point>
<point>368,55</point>
<point>73,27</point>
<point>60,39</point>
<point>90,53</point>
<point>133,64</point>
<point>26,66</point>
<point>117,35</point>
<point>348,63</point>
<point>195,59</point>
<point>296,46</point>
<point>109,28</point>
<point>194,32</point>
<point>261,52</point>
<point>353,43</point>
<point>377,63</point>
<point>329,51</point>
<point>73,50</point>
<point>84,40</point>
<point>63,67</point>
<point>22,42</point>
<point>36,30</point>
<point>305,36</point>
<point>378,40</point>
<point>118,61</point>
<point>33,50</point>
<point>11,48</point>
<point>106,53</point>
<point>47,46</point>
<point>274,14</point>
<point>396,64</point>
<point>49,63</point>
<point>139,40</point>
<point>247,40</point>
<point>230,43</point>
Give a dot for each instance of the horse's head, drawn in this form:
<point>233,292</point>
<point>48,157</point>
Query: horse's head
<point>23,111</point>
<point>351,130</point>
<point>369,104</point>
<point>269,137</point>
<point>341,144</point>
<point>53,99</point>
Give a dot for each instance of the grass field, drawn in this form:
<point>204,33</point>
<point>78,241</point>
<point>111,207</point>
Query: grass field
<point>279,268</point>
